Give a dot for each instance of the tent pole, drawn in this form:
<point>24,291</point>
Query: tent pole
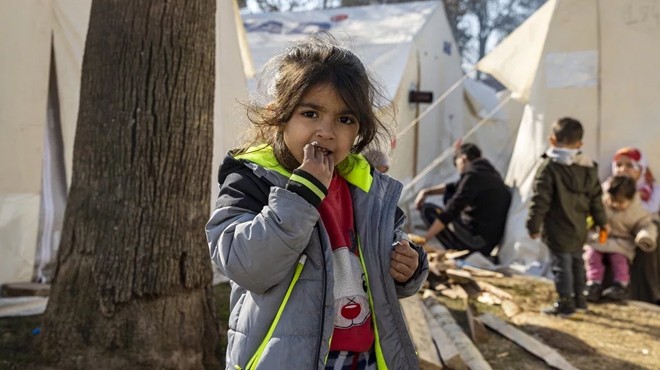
<point>416,138</point>
<point>599,98</point>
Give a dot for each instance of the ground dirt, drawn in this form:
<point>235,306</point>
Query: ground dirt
<point>608,336</point>
<point>19,336</point>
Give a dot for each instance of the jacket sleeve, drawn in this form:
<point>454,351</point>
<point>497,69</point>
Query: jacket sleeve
<point>543,189</point>
<point>466,191</point>
<point>418,278</point>
<point>646,234</point>
<point>258,247</point>
<point>596,202</point>
<point>450,187</point>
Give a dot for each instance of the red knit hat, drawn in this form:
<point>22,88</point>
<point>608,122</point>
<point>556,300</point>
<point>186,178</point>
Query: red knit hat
<point>646,179</point>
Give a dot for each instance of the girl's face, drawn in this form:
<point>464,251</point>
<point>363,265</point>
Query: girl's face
<point>618,203</point>
<point>323,117</point>
<point>624,166</point>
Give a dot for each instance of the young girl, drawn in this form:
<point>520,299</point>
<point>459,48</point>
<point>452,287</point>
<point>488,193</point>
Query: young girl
<point>309,234</point>
<point>645,269</point>
<point>630,162</point>
<point>631,227</point>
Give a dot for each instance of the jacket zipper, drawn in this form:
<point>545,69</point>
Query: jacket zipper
<point>325,288</point>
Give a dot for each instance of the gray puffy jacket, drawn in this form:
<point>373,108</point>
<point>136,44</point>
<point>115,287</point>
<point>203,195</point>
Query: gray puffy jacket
<point>256,236</point>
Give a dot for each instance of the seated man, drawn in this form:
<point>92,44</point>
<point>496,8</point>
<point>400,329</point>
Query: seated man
<point>476,205</point>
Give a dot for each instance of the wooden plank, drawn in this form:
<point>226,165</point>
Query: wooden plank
<point>471,288</point>
<point>425,365</point>
<point>454,292</point>
<point>478,331</point>
<point>490,288</point>
<point>439,267</point>
<point>25,289</point>
<point>435,280</point>
<point>529,343</point>
<point>436,256</point>
<point>475,271</point>
<point>449,354</point>
<point>456,254</point>
<point>489,299</point>
<point>434,269</point>
<point>417,239</point>
<point>644,305</point>
<point>510,309</point>
<point>22,306</point>
<point>419,332</point>
<point>459,276</point>
<point>468,352</point>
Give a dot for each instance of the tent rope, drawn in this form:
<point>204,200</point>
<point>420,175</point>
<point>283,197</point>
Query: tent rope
<point>449,151</point>
<point>430,107</point>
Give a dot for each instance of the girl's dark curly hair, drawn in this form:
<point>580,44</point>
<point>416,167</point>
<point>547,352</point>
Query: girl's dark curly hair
<point>318,59</point>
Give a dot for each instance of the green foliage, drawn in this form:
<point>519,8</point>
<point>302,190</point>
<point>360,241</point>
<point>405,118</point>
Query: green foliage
<point>478,25</point>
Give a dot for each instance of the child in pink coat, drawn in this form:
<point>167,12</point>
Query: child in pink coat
<point>631,227</point>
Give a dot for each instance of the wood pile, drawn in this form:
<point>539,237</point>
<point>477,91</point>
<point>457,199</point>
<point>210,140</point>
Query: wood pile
<point>441,343</point>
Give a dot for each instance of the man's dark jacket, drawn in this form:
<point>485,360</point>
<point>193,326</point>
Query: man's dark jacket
<point>481,200</point>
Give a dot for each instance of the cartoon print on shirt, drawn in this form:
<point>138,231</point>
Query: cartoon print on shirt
<point>351,301</point>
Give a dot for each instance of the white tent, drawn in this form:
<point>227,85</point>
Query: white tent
<point>407,47</point>
<point>42,41</point>
<point>497,135</point>
<point>594,60</point>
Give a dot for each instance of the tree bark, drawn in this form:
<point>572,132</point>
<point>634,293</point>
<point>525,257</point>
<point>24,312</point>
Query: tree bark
<point>133,282</point>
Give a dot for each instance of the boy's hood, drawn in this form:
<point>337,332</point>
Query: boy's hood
<point>569,157</point>
<point>581,172</point>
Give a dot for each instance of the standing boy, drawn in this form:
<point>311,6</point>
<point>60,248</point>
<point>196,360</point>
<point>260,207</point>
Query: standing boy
<point>566,192</point>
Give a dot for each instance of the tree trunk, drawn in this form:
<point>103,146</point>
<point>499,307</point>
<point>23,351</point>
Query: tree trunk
<point>133,282</point>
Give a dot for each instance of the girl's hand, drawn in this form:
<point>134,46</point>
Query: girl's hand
<point>404,261</point>
<point>317,164</point>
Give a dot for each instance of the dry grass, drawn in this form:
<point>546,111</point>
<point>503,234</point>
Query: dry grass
<point>607,336</point>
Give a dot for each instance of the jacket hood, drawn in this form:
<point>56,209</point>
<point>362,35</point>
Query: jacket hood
<point>562,155</point>
<point>483,167</point>
<point>354,169</point>
<point>581,172</point>
<point>568,157</point>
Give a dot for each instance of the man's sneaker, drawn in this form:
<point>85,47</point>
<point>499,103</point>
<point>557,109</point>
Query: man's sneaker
<point>563,307</point>
<point>581,302</point>
<point>592,293</point>
<point>616,292</point>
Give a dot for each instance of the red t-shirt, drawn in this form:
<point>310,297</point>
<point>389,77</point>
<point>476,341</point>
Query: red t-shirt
<point>353,326</point>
